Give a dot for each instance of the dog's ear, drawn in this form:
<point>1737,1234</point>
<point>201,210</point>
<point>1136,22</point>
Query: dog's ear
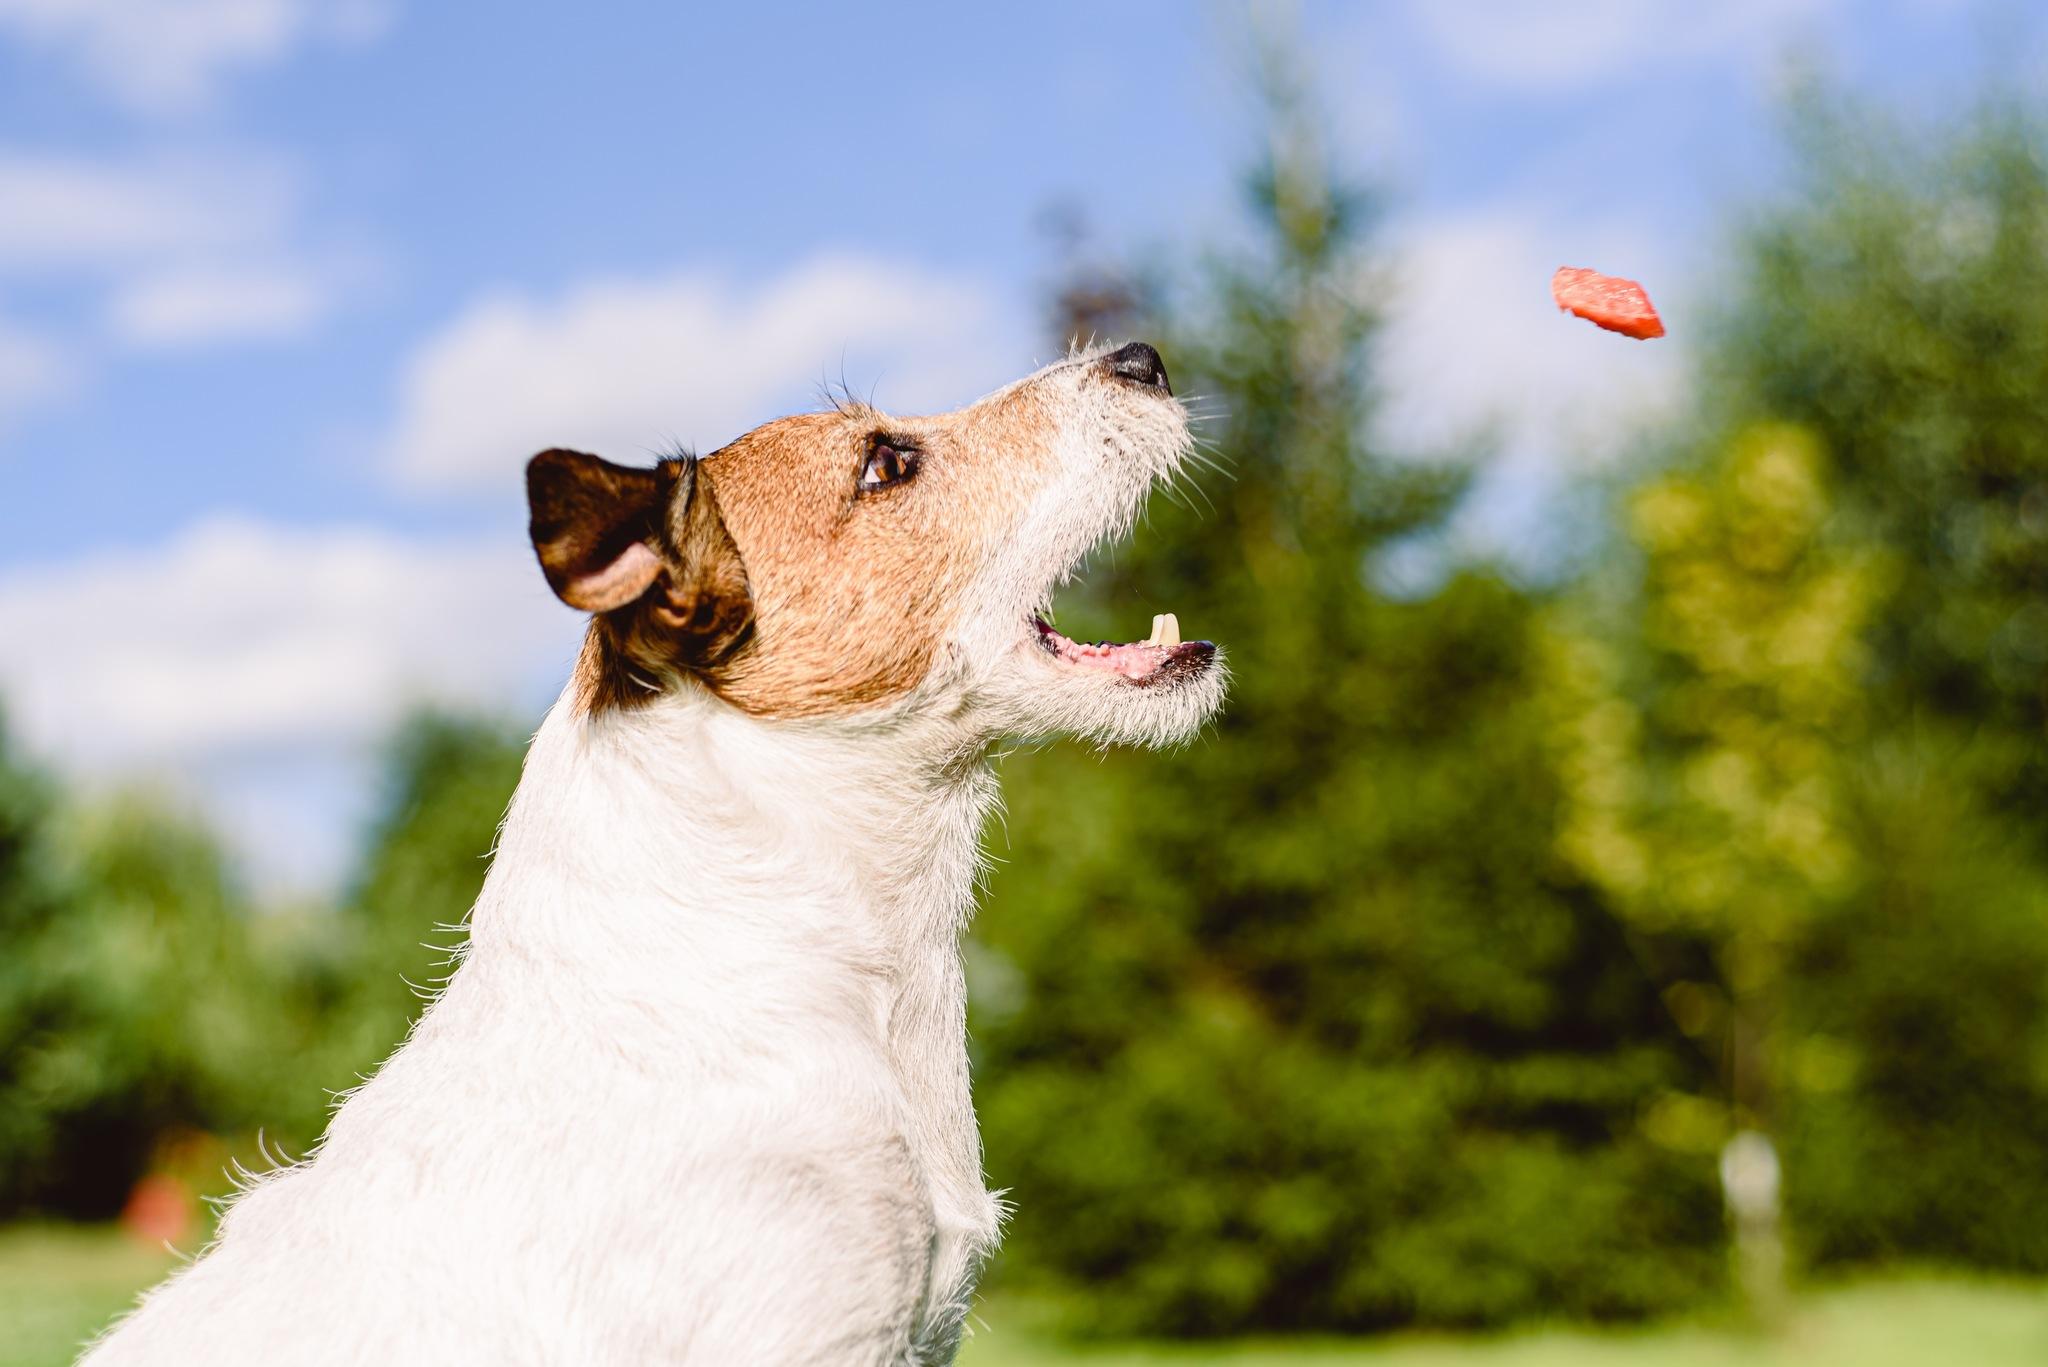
<point>595,527</point>
<point>612,537</point>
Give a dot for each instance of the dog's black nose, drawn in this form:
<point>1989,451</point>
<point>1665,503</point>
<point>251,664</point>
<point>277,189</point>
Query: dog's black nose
<point>1138,363</point>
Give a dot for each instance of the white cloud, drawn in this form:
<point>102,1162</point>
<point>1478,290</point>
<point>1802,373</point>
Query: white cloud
<point>1536,45</point>
<point>32,372</point>
<point>625,367</point>
<point>240,638</point>
<point>197,304</point>
<point>169,55</point>
<point>192,249</point>
<point>78,214</point>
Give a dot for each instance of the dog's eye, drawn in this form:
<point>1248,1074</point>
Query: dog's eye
<point>887,464</point>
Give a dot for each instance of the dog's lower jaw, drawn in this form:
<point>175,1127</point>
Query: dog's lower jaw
<point>697,1092</point>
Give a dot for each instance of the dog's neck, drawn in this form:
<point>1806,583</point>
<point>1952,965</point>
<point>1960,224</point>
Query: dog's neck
<point>881,819</point>
<point>684,862</point>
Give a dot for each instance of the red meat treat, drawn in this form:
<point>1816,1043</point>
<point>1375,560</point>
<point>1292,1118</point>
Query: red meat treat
<point>1608,300</point>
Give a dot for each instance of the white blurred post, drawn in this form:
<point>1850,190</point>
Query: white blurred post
<point>1749,1185</point>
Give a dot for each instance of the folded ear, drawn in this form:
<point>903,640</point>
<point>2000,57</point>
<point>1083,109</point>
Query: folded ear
<point>596,526</point>
<point>612,537</point>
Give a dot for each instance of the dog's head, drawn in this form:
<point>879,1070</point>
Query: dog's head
<point>854,563</point>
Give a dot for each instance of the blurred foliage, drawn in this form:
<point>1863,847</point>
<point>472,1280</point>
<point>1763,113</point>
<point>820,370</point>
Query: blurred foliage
<point>364,973</point>
<point>1896,309</point>
<point>1915,1039</point>
<point>143,997</point>
<point>1702,748</point>
<point>130,1001</point>
<point>1253,1011</point>
<point>1702,791</point>
<point>447,782</point>
<point>1308,1026</point>
<point>32,902</point>
<point>1423,988</point>
<point>1805,740</point>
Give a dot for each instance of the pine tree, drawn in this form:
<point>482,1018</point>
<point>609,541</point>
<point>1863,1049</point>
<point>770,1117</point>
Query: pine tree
<point>1306,1026</point>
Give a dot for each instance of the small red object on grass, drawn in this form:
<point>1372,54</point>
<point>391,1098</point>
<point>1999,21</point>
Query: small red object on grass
<point>1608,300</point>
<point>160,1211</point>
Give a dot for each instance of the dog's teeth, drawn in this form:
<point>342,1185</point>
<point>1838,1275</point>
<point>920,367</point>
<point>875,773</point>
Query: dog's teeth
<point>1158,625</point>
<point>1166,630</point>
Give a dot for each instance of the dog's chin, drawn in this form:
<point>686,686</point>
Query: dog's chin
<point>1161,701</point>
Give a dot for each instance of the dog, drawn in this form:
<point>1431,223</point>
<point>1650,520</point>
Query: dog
<point>697,1091</point>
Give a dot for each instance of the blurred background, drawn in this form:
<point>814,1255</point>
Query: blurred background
<point>1610,923</point>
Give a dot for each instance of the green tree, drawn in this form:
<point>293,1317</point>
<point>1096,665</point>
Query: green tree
<point>1895,305</point>
<point>33,898</point>
<point>1706,797</point>
<point>1308,1026</point>
<point>132,1006</point>
<point>142,998</point>
<point>1805,736</point>
<point>447,781</point>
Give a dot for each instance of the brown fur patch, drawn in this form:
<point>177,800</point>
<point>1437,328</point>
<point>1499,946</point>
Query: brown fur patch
<point>789,591</point>
<point>854,592</point>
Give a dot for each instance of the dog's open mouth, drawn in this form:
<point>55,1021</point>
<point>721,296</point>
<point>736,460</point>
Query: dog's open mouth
<point>1161,658</point>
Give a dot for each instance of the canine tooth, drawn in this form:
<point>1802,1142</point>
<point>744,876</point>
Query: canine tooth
<point>1166,630</point>
<point>1158,625</point>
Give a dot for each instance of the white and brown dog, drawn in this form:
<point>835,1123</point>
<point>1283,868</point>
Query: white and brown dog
<point>698,1091</point>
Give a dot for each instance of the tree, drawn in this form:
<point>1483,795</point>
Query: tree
<point>1805,734</point>
<point>1705,798</point>
<point>129,998</point>
<point>1308,1027</point>
<point>142,999</point>
<point>447,782</point>
<point>1895,305</point>
<point>32,900</point>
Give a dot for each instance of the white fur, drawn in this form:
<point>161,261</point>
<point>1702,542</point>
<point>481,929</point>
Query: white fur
<point>698,1091</point>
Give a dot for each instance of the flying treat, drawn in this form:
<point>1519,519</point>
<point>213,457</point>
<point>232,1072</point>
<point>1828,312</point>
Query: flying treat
<point>1606,300</point>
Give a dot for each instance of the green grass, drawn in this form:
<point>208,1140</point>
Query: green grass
<point>59,1285</point>
<point>1928,1321</point>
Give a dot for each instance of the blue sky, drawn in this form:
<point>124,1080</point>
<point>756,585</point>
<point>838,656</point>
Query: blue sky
<point>290,288</point>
